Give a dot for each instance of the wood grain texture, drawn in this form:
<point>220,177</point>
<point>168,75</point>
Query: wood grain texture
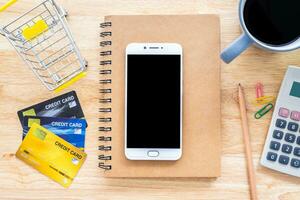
<point>19,89</point>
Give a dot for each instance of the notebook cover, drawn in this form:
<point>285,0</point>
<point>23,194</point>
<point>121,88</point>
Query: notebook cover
<point>199,36</point>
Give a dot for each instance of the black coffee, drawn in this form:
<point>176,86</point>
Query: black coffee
<point>274,22</point>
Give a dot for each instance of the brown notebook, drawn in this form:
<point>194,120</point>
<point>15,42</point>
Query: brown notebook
<point>199,36</point>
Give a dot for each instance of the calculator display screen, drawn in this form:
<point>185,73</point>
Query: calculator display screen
<point>295,91</point>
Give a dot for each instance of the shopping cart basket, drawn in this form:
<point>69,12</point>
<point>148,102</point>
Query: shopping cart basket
<point>43,40</point>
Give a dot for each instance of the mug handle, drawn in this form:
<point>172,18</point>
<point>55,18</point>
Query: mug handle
<point>236,48</point>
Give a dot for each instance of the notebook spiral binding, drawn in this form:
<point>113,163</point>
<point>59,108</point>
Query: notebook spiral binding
<point>105,99</point>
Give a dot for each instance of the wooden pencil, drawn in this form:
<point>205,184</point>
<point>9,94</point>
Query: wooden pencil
<point>250,167</point>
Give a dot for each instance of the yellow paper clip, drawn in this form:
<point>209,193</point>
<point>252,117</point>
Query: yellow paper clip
<point>259,114</point>
<point>264,100</point>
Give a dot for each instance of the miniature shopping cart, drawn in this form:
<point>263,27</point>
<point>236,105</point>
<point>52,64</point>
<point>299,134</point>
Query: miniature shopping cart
<point>43,40</point>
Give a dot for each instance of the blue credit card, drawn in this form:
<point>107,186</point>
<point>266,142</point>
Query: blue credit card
<point>71,130</point>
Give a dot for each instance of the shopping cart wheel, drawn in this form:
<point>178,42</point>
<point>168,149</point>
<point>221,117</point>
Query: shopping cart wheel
<point>86,63</point>
<point>63,12</point>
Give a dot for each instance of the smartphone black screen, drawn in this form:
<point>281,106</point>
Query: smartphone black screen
<point>153,101</point>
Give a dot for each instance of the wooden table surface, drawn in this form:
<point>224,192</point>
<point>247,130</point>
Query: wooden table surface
<point>19,89</point>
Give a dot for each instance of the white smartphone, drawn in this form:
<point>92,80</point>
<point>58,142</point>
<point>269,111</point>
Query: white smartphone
<point>153,101</point>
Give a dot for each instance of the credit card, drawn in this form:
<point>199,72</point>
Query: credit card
<point>63,106</point>
<point>71,130</point>
<point>51,155</point>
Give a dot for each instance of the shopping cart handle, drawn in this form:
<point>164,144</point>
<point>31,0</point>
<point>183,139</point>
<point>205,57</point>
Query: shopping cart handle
<point>8,4</point>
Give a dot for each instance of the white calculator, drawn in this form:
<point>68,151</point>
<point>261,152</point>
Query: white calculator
<point>282,148</point>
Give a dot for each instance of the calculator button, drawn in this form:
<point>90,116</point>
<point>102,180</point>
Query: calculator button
<point>297,151</point>
<point>271,156</point>
<point>279,135</point>
<point>295,163</point>
<point>295,116</point>
<point>280,123</point>
<point>284,159</point>
<point>286,148</point>
<point>298,140</point>
<point>283,112</point>
<point>275,145</point>
<point>289,138</point>
<point>293,126</point>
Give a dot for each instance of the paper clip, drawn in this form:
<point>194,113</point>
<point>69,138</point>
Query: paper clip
<point>259,114</point>
<point>259,90</point>
<point>264,100</point>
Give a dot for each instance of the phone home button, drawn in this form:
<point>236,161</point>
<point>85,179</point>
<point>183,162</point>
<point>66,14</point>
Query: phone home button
<point>153,153</point>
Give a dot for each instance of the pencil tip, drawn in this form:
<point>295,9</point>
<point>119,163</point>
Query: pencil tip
<point>240,84</point>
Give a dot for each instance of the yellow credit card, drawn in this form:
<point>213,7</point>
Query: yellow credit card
<point>51,155</point>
